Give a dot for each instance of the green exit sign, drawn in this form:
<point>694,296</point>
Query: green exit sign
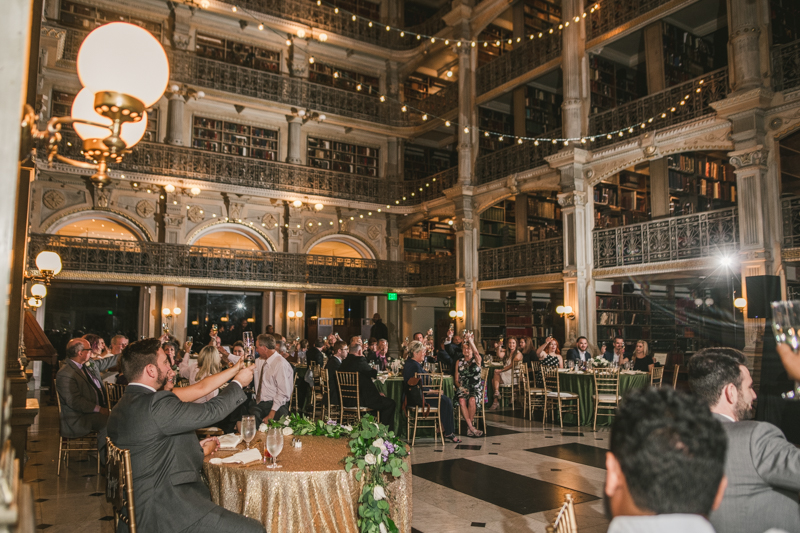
<point>392,296</point>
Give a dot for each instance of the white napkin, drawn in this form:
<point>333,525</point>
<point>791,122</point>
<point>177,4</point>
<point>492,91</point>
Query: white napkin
<point>382,378</point>
<point>229,441</point>
<point>245,457</point>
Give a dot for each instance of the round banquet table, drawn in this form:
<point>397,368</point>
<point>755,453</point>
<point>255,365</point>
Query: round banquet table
<point>393,388</point>
<point>308,494</point>
<point>583,385</point>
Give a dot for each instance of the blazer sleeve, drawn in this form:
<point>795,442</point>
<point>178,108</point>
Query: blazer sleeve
<point>106,363</point>
<point>70,392</point>
<point>175,417</point>
<point>363,367</point>
<point>776,460</point>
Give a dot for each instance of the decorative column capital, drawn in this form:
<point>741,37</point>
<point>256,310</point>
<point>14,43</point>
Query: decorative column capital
<point>749,157</point>
<point>572,199</point>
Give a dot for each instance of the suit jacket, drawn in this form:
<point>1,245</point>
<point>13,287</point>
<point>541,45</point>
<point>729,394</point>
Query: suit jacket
<point>573,355</point>
<point>332,366</point>
<point>368,392</point>
<point>763,471</point>
<point>166,457</point>
<point>78,396</point>
<point>313,354</point>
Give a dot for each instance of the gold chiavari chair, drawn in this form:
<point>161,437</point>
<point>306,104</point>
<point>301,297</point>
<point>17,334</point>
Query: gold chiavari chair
<point>119,487</point>
<point>114,392</point>
<point>565,521</point>
<point>657,376</point>
<point>294,402</point>
<point>675,370</point>
<point>511,391</point>
<point>330,410</point>
<point>480,403</point>
<point>431,393</point>
<point>349,390</point>
<point>311,399</point>
<point>606,392</point>
<point>533,397</point>
<point>567,402</point>
<point>66,445</point>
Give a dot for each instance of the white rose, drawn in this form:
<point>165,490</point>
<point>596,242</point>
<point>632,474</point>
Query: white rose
<point>378,443</point>
<point>286,422</point>
<point>347,428</point>
<point>383,528</point>
<point>288,431</point>
<point>263,428</point>
<point>378,493</point>
<point>370,459</point>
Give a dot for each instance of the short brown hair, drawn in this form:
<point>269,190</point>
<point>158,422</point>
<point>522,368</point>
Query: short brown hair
<point>137,355</point>
<point>338,345</point>
<point>267,341</point>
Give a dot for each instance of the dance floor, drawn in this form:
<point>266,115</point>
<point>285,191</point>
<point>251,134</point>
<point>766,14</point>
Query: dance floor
<point>511,480</point>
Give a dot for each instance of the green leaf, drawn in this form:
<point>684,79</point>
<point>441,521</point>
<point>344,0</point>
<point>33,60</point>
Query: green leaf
<point>396,472</point>
<point>383,504</point>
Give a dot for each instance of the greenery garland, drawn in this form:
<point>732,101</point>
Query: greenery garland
<point>375,453</point>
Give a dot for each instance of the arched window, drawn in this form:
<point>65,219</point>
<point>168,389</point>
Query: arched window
<point>98,228</point>
<point>232,240</point>
<point>335,249</point>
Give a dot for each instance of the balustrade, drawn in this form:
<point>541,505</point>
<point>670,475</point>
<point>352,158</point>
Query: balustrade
<point>515,158</point>
<point>83,254</point>
<point>615,13</point>
<point>791,222</point>
<point>439,103</point>
<point>519,61</point>
<point>520,260</point>
<point>637,113</point>
<point>669,239</point>
<point>786,66</point>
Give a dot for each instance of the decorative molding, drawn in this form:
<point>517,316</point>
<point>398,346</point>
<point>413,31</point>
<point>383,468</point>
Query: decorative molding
<point>667,267</point>
<point>572,199</point>
<point>196,214</point>
<point>790,254</point>
<point>53,200</point>
<point>754,156</point>
<point>269,221</point>
<point>537,281</point>
<point>236,210</point>
<point>145,208</point>
<point>374,232</point>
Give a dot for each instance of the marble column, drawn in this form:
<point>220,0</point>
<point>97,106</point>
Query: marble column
<point>175,107</point>
<point>293,154</point>
<point>748,46</point>
<point>466,251</point>
<point>467,133</point>
<point>575,68</point>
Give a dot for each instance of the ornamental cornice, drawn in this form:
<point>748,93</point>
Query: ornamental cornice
<point>568,157</point>
<point>572,199</point>
<point>738,102</point>
<point>522,281</point>
<point>754,156</point>
<point>665,267</point>
<point>785,118</point>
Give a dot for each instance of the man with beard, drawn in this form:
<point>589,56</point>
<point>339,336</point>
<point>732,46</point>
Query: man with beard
<point>665,465</point>
<point>763,469</point>
<point>166,457</point>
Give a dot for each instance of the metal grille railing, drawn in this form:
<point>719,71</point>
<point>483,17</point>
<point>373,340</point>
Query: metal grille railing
<point>515,158</point>
<point>786,66</point>
<point>790,208</point>
<point>440,103</point>
<point>615,13</point>
<point>518,260</point>
<point>670,239</point>
<point>517,62</point>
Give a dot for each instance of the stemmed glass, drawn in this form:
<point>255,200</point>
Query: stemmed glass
<point>247,340</point>
<point>275,446</point>
<point>248,429</point>
<point>785,323</point>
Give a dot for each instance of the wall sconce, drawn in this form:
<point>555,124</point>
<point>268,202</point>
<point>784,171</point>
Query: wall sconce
<point>565,311</point>
<point>740,303</point>
<point>457,314</point>
<point>49,265</point>
<point>38,292</point>
<point>168,314</point>
<point>110,113</point>
<point>307,115</point>
<point>294,314</point>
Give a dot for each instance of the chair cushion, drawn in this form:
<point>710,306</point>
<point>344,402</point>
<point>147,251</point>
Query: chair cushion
<point>608,398</point>
<point>570,395</point>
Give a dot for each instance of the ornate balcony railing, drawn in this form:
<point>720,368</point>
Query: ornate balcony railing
<point>429,188</point>
<point>638,112</point>
<point>440,103</point>
<point>614,13</point>
<point>791,222</point>
<point>519,260</point>
<point>513,64</point>
<point>786,66</point>
<point>83,254</point>
<point>670,239</point>
<point>515,158</point>
<point>72,43</point>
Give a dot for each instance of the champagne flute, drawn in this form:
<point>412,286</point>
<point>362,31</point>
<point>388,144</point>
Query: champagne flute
<point>275,446</point>
<point>785,326</point>
<point>248,429</point>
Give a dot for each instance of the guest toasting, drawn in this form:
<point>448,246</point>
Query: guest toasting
<point>469,388</point>
<point>550,354</point>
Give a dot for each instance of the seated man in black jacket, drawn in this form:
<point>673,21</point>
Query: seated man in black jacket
<point>334,362</point>
<point>314,353</point>
<point>368,392</point>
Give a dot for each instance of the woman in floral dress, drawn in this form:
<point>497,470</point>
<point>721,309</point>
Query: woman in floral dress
<point>469,390</point>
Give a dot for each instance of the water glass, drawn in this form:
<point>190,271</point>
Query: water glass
<point>248,429</point>
<point>274,446</point>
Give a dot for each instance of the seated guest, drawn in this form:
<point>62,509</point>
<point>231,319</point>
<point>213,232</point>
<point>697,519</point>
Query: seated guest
<point>329,342</point>
<point>453,346</point>
<point>368,392</point>
<point>207,364</point>
<point>98,345</point>
<point>763,469</point>
<point>118,343</point>
<point>382,355</point>
<point>334,362</point>
<point>580,353</point>
<point>166,457</point>
<point>270,330</point>
<point>549,353</point>
<point>504,376</point>
<point>525,346</point>
<point>469,386</point>
<point>171,349</point>
<point>302,350</point>
<point>414,367</point>
<point>237,353</point>
<point>314,353</point>
<point>665,468</point>
<point>274,382</point>
<point>617,352</point>
<point>642,360</point>
<point>443,357</point>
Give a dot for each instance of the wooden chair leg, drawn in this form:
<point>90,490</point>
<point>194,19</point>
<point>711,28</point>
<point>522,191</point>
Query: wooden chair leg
<point>416,418</point>
<point>58,469</point>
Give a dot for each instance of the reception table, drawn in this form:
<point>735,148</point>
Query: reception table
<point>583,385</point>
<point>312,492</point>
<point>393,388</point>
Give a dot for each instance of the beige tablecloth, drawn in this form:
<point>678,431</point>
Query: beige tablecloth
<point>308,494</point>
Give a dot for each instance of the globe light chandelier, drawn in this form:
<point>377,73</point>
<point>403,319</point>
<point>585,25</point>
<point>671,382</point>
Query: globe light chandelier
<point>124,70</point>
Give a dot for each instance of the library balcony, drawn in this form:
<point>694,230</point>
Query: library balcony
<point>786,66</point>
<point>659,105</point>
<point>616,13</point>
<point>790,208</point>
<point>699,235</point>
<point>89,259</point>
<point>429,188</point>
<point>440,103</point>
<point>514,159</point>
<point>522,260</point>
<point>524,63</point>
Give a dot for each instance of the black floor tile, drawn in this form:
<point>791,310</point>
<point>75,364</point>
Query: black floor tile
<point>468,447</point>
<point>44,526</point>
<point>575,452</point>
<point>491,431</point>
<point>107,518</point>
<point>40,500</point>
<point>97,494</point>
<point>571,434</point>
<point>478,524</point>
<point>491,484</point>
<point>493,453</point>
<point>35,464</point>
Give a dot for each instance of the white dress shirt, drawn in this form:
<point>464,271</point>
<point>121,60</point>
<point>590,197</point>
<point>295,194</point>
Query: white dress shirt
<point>274,380</point>
<point>584,356</point>
<point>663,523</point>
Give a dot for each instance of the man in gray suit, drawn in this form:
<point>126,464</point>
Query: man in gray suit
<point>166,457</point>
<point>763,469</point>
<point>84,406</point>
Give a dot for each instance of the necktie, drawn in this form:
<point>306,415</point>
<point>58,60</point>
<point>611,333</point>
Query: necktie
<point>260,382</point>
<point>101,397</point>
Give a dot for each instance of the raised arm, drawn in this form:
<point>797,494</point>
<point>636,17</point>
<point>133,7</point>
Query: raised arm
<point>207,384</point>
<point>790,360</point>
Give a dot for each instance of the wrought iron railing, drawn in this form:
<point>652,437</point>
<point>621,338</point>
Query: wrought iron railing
<point>515,158</point>
<point>440,103</point>
<point>786,66</point>
<point>517,62</point>
<point>670,239</point>
<point>639,112</point>
<point>72,43</point>
<point>425,189</point>
<point>83,254</point>
<point>519,260</point>
<point>614,13</point>
<point>791,222</point>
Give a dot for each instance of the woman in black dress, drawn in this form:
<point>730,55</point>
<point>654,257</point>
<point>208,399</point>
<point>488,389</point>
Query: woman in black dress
<point>642,360</point>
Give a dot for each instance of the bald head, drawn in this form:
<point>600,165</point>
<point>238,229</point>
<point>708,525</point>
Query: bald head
<point>79,350</point>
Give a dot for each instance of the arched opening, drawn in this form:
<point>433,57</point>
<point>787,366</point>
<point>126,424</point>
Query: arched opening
<point>334,249</point>
<point>98,228</point>
<point>232,240</point>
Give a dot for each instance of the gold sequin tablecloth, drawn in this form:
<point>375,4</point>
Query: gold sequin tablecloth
<point>312,492</point>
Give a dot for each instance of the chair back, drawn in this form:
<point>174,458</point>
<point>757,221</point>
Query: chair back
<point>606,383</point>
<point>550,378</point>
<point>536,373</point>
<point>431,385</point>
<point>445,368</point>
<point>348,389</point>
<point>675,371</point>
<point>114,392</point>
<point>657,376</point>
<point>516,370</point>
<point>119,487</point>
<point>565,519</point>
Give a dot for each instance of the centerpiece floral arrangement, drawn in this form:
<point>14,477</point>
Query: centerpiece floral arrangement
<point>599,361</point>
<point>376,455</point>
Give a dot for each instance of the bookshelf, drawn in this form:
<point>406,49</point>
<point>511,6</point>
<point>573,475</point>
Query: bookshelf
<point>542,111</point>
<point>235,53</point>
<point>420,162</point>
<point>343,157</point>
<point>513,318</point>
<point>622,199</point>
<point>686,55</point>
<point>419,86</point>
<point>540,15</point>
<point>348,80</point>
<point>495,122</point>
<point>700,182</point>
<point>225,137</point>
<point>428,239</point>
<point>87,18</point>
<point>613,84</point>
<point>490,49</point>
<point>625,314</point>
<point>544,217</point>
<point>498,225</point>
